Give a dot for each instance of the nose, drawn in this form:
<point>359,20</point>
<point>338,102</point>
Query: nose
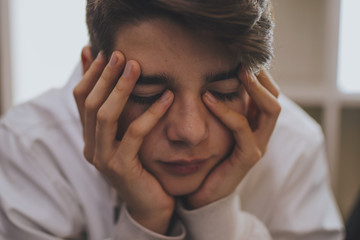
<point>187,122</point>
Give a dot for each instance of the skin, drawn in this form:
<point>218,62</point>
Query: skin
<point>131,143</point>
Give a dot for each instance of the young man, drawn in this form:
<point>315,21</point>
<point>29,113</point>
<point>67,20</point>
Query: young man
<point>178,122</point>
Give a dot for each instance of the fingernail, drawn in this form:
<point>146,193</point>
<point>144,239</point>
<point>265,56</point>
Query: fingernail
<point>165,96</point>
<point>100,55</point>
<point>127,70</point>
<point>210,97</point>
<point>113,60</point>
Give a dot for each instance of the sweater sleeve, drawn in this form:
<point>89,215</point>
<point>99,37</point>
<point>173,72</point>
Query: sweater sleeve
<point>128,228</point>
<point>223,219</point>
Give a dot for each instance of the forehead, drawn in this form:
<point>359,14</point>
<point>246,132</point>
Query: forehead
<point>161,45</point>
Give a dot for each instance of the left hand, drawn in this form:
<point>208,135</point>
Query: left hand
<point>251,134</point>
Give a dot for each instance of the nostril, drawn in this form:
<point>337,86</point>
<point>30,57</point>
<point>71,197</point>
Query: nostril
<point>187,131</point>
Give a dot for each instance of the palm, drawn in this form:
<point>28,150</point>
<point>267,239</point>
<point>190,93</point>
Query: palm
<point>138,188</point>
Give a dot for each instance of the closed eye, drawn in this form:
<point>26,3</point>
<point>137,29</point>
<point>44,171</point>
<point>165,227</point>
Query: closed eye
<point>146,94</point>
<point>145,100</point>
<point>225,96</point>
<point>225,90</point>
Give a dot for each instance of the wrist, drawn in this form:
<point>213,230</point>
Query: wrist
<point>156,221</point>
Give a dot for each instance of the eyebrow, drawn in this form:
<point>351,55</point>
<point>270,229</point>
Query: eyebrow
<point>157,79</point>
<point>214,77</point>
<point>161,79</point>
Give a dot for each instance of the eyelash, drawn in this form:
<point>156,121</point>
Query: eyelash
<point>225,96</point>
<point>150,100</point>
<point>145,100</point>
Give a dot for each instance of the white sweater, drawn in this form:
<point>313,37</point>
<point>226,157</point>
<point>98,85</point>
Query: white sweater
<point>49,191</point>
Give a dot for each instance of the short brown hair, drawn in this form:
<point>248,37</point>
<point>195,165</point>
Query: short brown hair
<point>243,26</point>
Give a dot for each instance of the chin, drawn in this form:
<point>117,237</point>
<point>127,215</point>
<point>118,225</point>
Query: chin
<point>181,189</point>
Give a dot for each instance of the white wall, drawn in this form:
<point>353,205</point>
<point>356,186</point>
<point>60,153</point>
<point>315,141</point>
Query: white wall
<point>46,38</point>
<point>349,47</point>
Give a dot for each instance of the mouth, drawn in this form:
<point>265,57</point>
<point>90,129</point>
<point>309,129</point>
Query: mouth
<point>184,167</point>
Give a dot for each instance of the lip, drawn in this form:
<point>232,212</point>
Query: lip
<point>184,167</point>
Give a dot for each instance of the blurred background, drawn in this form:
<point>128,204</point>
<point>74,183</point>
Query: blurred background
<point>316,55</point>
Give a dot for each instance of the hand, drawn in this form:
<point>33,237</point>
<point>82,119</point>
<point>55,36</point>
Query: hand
<point>251,135</point>
<point>101,97</point>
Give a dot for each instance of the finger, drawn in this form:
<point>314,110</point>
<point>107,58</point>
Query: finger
<point>235,121</point>
<point>141,126</point>
<point>246,151</point>
<point>110,111</point>
<point>97,97</point>
<point>107,80</point>
<point>268,82</point>
<point>261,96</point>
<point>83,88</point>
<point>269,107</point>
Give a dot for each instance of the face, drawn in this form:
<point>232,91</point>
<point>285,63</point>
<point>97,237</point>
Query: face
<point>189,141</point>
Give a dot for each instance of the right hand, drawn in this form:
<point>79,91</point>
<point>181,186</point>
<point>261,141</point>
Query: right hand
<point>100,97</point>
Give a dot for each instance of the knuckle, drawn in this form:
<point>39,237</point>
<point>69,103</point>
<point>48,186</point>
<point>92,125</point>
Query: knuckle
<point>135,130</point>
<point>119,90</point>
<point>98,165</point>
<point>225,109</point>
<point>88,154</point>
<point>257,154</point>
<point>275,109</point>
<point>154,112</point>
<point>102,116</point>
<point>263,151</point>
<point>78,91</point>
<point>242,120</point>
<point>91,105</point>
<point>242,123</point>
<point>102,78</point>
<point>113,167</point>
<point>253,157</point>
<point>276,91</point>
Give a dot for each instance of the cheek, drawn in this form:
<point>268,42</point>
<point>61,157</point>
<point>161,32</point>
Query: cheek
<point>129,114</point>
<point>240,105</point>
<point>222,140</point>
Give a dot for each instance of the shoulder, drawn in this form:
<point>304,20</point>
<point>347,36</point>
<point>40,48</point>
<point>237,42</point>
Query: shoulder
<point>41,129</point>
<point>53,111</point>
<point>297,142</point>
<point>50,109</point>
